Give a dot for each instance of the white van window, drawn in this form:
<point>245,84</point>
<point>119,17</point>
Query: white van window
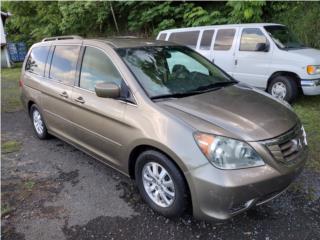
<point>162,36</point>
<point>224,39</point>
<point>189,38</point>
<point>206,39</point>
<point>252,39</point>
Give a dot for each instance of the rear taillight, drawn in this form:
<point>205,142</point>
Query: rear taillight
<point>20,83</point>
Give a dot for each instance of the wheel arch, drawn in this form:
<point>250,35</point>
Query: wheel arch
<point>137,150</point>
<point>285,73</point>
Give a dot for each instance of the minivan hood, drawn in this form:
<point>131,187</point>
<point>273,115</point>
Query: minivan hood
<point>307,54</point>
<point>238,109</point>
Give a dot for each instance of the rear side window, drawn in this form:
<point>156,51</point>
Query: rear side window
<point>186,38</point>
<point>251,39</point>
<point>206,39</point>
<point>162,36</point>
<point>37,60</point>
<point>63,64</point>
<point>224,39</point>
<point>97,68</point>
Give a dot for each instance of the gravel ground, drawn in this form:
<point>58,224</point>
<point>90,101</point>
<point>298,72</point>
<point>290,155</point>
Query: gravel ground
<point>50,190</point>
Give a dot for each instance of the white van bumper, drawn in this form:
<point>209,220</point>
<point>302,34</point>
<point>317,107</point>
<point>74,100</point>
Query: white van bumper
<point>310,86</point>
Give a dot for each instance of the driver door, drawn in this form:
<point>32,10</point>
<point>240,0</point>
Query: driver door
<point>98,121</point>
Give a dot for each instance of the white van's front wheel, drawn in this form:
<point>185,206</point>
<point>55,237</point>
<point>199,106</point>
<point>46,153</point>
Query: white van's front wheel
<point>284,88</point>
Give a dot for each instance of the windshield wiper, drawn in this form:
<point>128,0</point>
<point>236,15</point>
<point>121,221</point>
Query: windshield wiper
<point>174,95</point>
<point>214,86</point>
<point>199,90</point>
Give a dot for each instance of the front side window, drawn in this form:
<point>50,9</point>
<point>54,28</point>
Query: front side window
<point>63,64</point>
<point>224,39</point>
<point>206,39</point>
<point>189,38</point>
<point>252,39</point>
<point>283,37</point>
<point>97,68</point>
<point>172,70</point>
<point>37,60</point>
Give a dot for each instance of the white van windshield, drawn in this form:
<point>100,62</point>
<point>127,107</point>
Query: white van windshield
<point>283,37</point>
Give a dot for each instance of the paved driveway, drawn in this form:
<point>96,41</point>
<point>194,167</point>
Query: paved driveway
<point>50,190</point>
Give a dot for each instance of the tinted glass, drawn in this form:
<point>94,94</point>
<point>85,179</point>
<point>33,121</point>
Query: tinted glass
<point>186,38</point>
<point>224,39</point>
<point>172,70</point>
<point>283,37</point>
<point>37,60</point>
<point>251,39</point>
<point>97,68</point>
<point>206,39</point>
<point>64,62</point>
<point>162,36</point>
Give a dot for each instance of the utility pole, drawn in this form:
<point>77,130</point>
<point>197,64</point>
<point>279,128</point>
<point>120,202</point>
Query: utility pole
<point>114,17</point>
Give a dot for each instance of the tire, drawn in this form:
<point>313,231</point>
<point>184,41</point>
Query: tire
<point>287,83</point>
<point>178,203</point>
<point>38,123</point>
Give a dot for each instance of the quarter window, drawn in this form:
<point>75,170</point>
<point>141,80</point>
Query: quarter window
<point>63,64</point>
<point>97,68</point>
<point>162,36</point>
<point>186,38</point>
<point>206,39</point>
<point>37,60</point>
<point>252,39</point>
<point>224,39</point>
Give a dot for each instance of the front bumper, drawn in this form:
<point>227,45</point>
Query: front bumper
<point>222,194</point>
<point>310,86</point>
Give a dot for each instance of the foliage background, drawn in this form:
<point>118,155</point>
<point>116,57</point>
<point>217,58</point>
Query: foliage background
<point>32,21</point>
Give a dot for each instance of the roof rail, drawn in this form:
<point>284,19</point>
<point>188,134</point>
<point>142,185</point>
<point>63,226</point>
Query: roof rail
<point>61,38</point>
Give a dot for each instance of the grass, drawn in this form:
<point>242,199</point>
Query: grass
<point>10,92</point>
<point>5,209</point>
<point>10,146</point>
<point>29,184</point>
<point>307,108</point>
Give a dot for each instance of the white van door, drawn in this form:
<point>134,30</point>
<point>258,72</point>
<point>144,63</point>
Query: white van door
<point>206,43</point>
<point>253,55</point>
<point>224,47</point>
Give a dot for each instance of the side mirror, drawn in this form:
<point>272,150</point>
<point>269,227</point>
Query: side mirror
<point>107,90</point>
<point>262,47</point>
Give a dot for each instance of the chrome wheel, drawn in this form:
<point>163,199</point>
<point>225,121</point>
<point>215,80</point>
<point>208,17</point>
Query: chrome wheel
<point>279,90</point>
<point>158,184</point>
<point>37,122</point>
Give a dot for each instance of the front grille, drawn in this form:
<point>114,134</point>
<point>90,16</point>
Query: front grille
<point>287,148</point>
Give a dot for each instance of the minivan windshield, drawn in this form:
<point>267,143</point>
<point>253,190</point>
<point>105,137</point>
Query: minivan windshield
<point>173,71</point>
<point>283,37</point>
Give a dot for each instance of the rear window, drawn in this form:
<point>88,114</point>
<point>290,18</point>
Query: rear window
<point>63,64</point>
<point>224,39</point>
<point>186,38</point>
<point>206,39</point>
<point>162,36</point>
<point>37,60</point>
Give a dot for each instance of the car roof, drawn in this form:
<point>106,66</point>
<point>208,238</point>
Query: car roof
<point>222,26</point>
<point>129,42</point>
<point>115,42</point>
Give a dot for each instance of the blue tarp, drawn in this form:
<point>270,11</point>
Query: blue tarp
<point>17,51</point>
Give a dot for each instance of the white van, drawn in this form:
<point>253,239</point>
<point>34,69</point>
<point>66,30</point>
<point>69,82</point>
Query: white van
<point>264,55</point>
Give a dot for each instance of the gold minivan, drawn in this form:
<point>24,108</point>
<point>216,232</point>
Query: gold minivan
<point>160,113</point>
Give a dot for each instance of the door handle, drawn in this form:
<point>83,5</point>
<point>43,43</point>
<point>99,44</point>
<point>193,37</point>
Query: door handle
<point>80,100</point>
<point>64,94</point>
<point>236,62</point>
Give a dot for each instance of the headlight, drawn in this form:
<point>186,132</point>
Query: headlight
<point>313,69</point>
<point>227,153</point>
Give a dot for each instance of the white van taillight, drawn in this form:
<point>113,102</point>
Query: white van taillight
<point>20,82</point>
